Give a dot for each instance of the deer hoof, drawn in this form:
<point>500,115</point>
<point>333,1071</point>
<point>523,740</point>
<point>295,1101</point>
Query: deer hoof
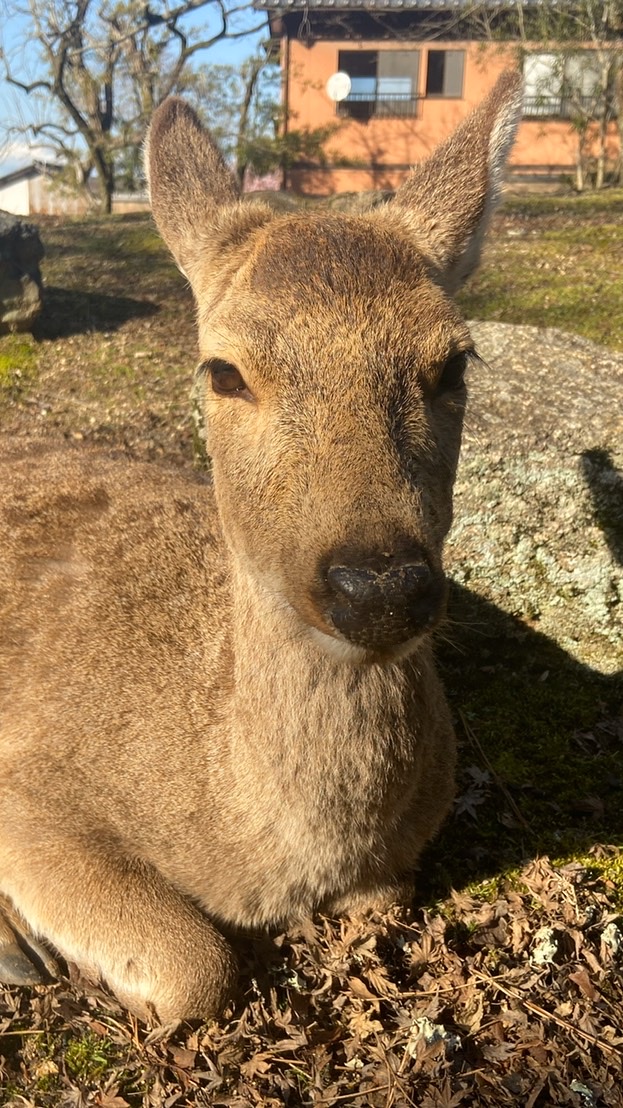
<point>24,961</point>
<point>16,968</point>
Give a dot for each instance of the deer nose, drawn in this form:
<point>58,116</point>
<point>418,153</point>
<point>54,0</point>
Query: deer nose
<point>384,600</point>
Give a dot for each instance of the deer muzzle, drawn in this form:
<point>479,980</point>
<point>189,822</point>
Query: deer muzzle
<point>384,600</point>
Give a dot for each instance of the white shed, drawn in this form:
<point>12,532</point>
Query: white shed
<point>33,191</point>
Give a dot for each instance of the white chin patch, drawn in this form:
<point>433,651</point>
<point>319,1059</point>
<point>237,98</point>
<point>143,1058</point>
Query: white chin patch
<point>344,651</point>
<point>340,649</point>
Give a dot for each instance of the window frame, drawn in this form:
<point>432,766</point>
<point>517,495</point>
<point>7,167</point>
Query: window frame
<point>379,105</point>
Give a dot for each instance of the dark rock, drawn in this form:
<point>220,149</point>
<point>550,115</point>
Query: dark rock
<point>21,251</point>
<point>278,200</point>
<point>356,203</point>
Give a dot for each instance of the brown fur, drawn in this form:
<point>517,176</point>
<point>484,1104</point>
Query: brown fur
<point>186,739</point>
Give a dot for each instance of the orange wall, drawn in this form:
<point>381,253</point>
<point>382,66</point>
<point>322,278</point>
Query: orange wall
<point>395,144</point>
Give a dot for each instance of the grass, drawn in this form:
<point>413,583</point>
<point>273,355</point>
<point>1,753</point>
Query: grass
<point>18,365</point>
<point>87,1058</point>
<point>555,262</point>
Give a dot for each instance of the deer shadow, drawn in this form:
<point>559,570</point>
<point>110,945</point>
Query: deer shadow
<point>540,734</point>
<point>70,312</point>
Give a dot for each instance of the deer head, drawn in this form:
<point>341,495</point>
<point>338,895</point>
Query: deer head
<point>334,362</point>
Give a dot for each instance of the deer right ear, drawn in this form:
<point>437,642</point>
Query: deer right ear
<point>189,186</point>
<point>447,200</point>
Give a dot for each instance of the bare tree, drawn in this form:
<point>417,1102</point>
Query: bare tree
<point>105,66</point>
<point>578,48</point>
<point>243,109</point>
<point>585,37</point>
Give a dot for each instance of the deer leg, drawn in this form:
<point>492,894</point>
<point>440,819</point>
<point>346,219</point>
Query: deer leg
<point>366,901</point>
<point>122,923</point>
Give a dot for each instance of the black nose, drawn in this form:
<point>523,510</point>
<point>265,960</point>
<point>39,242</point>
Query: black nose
<point>384,600</point>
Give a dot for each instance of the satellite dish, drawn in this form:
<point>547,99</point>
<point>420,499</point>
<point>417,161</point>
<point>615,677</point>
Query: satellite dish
<point>338,86</point>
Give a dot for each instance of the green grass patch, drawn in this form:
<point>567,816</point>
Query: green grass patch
<point>555,262</point>
<point>571,279</point>
<point>87,1058</point>
<point>143,239</point>
<point>69,1064</point>
<point>18,365</point>
<point>608,202</point>
<point>99,252</point>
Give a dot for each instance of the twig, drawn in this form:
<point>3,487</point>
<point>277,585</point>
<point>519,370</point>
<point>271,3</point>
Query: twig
<point>351,1096</point>
<point>514,994</point>
<point>415,993</point>
<point>473,738</point>
<point>33,1031</point>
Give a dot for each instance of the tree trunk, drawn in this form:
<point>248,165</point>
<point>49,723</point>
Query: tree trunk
<point>618,103</point>
<point>106,178</point>
<point>254,68</point>
<point>600,174</point>
<point>580,160</point>
<point>603,125</point>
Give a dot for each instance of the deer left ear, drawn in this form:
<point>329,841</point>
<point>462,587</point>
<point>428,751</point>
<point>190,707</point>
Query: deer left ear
<point>447,201</point>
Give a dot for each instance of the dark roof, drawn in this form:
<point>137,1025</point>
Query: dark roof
<point>35,169</point>
<point>382,5</point>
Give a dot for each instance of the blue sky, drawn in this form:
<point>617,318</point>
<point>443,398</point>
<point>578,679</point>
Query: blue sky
<point>17,106</point>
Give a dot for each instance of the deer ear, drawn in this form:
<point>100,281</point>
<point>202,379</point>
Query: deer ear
<point>447,201</point>
<point>193,193</point>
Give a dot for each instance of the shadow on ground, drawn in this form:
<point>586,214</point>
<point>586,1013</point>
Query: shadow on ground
<point>70,312</point>
<point>605,483</point>
<point>540,735</point>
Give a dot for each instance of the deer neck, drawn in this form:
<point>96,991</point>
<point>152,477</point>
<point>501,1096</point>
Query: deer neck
<point>297,707</point>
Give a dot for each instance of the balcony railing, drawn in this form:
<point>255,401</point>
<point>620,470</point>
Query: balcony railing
<point>363,105</point>
<point>565,107</point>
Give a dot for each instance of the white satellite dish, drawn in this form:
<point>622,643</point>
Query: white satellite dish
<point>338,86</point>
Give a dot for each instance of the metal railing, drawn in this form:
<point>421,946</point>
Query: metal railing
<point>363,104</point>
<point>565,107</point>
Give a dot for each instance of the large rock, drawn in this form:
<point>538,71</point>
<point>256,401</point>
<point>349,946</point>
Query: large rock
<point>21,251</point>
<point>356,203</point>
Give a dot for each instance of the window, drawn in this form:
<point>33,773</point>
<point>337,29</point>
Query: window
<point>563,85</point>
<point>444,73</point>
<point>383,82</point>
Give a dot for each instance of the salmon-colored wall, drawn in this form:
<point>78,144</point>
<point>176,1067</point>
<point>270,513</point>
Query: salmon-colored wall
<point>385,148</point>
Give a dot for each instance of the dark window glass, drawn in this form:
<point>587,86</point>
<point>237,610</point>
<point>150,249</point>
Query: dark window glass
<point>358,63</point>
<point>434,73</point>
<point>444,73</point>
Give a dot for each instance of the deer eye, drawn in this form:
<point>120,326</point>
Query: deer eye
<point>226,380</point>
<point>453,373</point>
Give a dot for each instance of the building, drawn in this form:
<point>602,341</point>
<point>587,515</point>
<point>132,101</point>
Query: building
<point>397,76</point>
<point>35,189</point>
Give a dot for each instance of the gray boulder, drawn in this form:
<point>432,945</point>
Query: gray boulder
<point>21,251</point>
<point>356,203</point>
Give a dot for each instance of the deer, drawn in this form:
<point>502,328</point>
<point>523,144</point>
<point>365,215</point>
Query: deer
<point>219,707</point>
